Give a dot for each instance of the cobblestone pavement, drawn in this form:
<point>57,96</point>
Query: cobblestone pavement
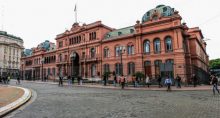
<point>9,95</point>
<point>79,102</point>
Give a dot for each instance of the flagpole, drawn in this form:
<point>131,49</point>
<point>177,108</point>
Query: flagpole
<point>75,10</point>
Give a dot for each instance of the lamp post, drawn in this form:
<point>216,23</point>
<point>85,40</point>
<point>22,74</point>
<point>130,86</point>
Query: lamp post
<point>121,50</point>
<point>42,64</point>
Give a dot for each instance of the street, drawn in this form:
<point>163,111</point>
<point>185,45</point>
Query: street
<point>80,102</point>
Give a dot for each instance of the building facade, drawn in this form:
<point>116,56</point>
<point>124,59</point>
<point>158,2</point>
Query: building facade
<point>10,53</point>
<point>158,45</point>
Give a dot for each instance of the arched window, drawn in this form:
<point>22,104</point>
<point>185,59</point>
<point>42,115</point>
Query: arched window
<point>168,44</point>
<point>106,68</point>
<point>131,68</point>
<point>118,69</point>
<point>130,49</point>
<point>92,52</point>
<point>147,46</point>
<point>106,52</point>
<point>157,48</point>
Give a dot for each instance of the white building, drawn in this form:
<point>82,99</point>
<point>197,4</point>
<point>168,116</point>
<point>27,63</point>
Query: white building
<point>10,53</point>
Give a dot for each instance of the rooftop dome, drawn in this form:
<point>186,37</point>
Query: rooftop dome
<point>160,10</point>
<point>45,45</point>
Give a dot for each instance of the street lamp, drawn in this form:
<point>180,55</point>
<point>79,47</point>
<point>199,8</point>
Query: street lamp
<point>121,51</point>
<point>42,64</point>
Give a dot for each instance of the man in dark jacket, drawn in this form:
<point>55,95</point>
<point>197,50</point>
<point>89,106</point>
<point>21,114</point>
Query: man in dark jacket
<point>178,79</point>
<point>159,81</point>
<point>214,82</point>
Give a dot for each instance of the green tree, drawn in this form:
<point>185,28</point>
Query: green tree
<point>214,63</point>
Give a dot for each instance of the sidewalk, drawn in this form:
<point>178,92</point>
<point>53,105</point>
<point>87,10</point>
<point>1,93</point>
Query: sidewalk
<point>12,97</point>
<point>130,87</point>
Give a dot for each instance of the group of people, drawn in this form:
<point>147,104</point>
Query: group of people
<point>70,80</point>
<point>5,79</point>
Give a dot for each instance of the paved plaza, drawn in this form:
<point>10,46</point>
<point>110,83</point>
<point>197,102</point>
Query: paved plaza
<point>52,101</point>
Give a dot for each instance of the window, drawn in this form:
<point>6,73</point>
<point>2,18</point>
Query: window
<point>117,50</point>
<point>92,36</point>
<point>60,44</point>
<point>92,51</point>
<point>157,64</point>
<point>147,46</point>
<point>147,63</point>
<point>130,49</point>
<point>60,57</point>
<point>131,68</point>
<point>93,70</point>
<point>168,44</point>
<point>157,45</point>
<point>131,30</point>
<point>106,68</point>
<point>83,55</point>
<point>119,33</point>
<point>164,9</point>
<point>106,52</point>
<point>118,69</point>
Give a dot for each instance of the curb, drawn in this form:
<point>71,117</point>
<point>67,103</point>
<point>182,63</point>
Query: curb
<point>119,88</point>
<point>16,104</point>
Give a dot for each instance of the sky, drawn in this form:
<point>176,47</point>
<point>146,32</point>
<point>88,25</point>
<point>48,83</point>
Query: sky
<point>38,20</point>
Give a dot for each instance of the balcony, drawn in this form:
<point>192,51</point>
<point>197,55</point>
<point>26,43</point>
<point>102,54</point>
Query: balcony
<point>89,58</point>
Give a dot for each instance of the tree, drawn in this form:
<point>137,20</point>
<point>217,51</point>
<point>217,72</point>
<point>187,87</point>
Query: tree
<point>214,64</point>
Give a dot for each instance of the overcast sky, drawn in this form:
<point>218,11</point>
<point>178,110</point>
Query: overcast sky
<point>38,20</point>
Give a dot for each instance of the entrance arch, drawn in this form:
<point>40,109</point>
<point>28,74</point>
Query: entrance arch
<point>74,64</point>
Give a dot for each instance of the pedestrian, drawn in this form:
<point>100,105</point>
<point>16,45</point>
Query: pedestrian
<point>8,80</point>
<point>147,81</point>
<point>115,80</point>
<point>178,79</point>
<point>168,83</point>
<point>18,80</point>
<point>78,80</point>
<point>195,79</point>
<point>105,79</point>
<point>122,78</point>
<point>159,81</point>
<point>134,80</point>
<point>60,80</point>
<point>69,80</point>
<point>1,80</point>
<point>214,82</point>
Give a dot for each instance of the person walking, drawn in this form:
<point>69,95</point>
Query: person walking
<point>105,79</point>
<point>60,80</point>
<point>178,79</point>
<point>1,80</point>
<point>147,81</point>
<point>168,83</point>
<point>214,82</point>
<point>122,79</point>
<point>159,81</point>
<point>115,80</point>
<point>69,80</point>
<point>134,80</point>
<point>18,80</point>
<point>195,79</point>
<point>8,80</point>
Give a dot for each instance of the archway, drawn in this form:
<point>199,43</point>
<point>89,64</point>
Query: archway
<point>74,64</point>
